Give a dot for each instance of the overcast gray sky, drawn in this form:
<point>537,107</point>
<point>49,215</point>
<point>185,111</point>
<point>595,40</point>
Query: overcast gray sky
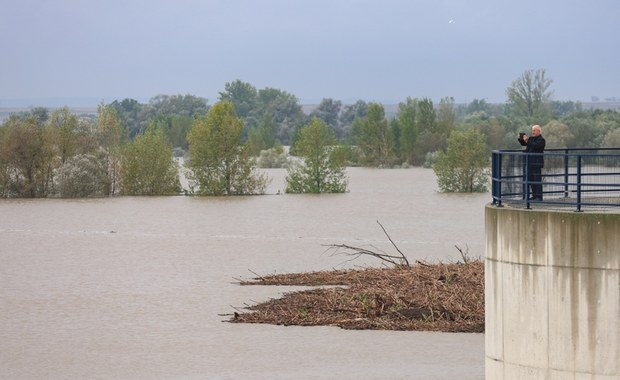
<point>343,49</point>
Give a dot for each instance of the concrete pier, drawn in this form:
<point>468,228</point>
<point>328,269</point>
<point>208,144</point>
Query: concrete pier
<point>552,295</point>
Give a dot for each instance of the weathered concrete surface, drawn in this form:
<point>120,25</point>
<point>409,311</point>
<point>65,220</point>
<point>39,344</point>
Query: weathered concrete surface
<point>552,295</point>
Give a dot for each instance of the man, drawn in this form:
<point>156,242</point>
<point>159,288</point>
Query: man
<point>534,144</point>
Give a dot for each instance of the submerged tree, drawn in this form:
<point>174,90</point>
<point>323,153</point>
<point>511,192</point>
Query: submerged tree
<point>463,168</point>
<point>27,158</point>
<point>219,164</point>
<point>406,118</point>
<point>83,175</point>
<point>111,138</point>
<point>322,170</point>
<point>373,136</point>
<point>148,167</point>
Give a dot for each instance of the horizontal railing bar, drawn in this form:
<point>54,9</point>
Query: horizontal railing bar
<point>573,177</point>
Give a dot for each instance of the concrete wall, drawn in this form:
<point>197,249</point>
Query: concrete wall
<point>552,294</point>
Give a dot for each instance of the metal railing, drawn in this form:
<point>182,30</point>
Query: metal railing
<point>570,178</point>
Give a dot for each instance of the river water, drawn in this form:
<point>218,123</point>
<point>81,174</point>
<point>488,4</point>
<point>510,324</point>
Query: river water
<point>134,287</point>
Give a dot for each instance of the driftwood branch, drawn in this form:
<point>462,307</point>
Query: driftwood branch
<point>464,255</point>
<point>403,257</point>
<point>356,252</point>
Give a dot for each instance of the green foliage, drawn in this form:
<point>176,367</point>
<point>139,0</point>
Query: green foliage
<point>429,138</point>
<point>148,167</point>
<point>426,116</point>
<point>407,121</point>
<point>284,110</point>
<point>565,108</point>
<point>464,167</point>
<point>133,115</point>
<point>82,175</point>
<point>175,111</point>
<point>45,153</point>
<point>478,106</point>
<point>492,129</point>
<point>427,142</point>
<point>36,147</point>
<point>374,138</point>
<point>322,170</point>
<point>242,95</point>
<point>431,159</point>
<point>530,97</point>
<point>262,137</point>
<point>349,113</point>
<point>328,111</point>
<point>557,135</point>
<point>612,139</point>
<point>591,127</point>
<point>395,132</point>
<point>185,105</point>
<point>275,157</point>
<point>111,137</point>
<point>218,163</point>
<point>446,116</point>
<point>64,123</point>
<point>27,158</point>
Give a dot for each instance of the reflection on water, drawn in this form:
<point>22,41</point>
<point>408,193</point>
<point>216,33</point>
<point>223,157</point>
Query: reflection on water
<point>132,287</point>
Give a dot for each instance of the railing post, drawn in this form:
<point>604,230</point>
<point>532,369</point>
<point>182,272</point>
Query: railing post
<point>578,182</point>
<point>566,173</point>
<point>496,181</point>
<point>526,179</point>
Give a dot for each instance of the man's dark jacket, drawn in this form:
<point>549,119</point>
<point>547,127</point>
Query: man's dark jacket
<point>535,145</point>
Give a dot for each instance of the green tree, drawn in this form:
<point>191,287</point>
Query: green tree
<point>174,112</point>
<point>464,166</point>
<point>477,106</point>
<point>430,138</point>
<point>557,135</point>
<point>426,116</point>
<point>591,127</point>
<point>186,105</point>
<point>218,163</point>
<point>83,175</point>
<point>406,117</point>
<point>148,167</point>
<point>27,157</point>
<point>111,137</point>
<point>373,137</point>
<point>396,132</point>
<point>349,114</point>
<point>493,132</point>
<point>64,123</point>
<point>242,95</point>
<point>565,108</point>
<point>612,139</point>
<point>529,96</point>
<point>133,115</point>
<point>175,128</point>
<point>263,137</point>
<point>322,170</point>
<point>283,108</point>
<point>328,111</point>
<point>446,116</point>
<point>275,157</point>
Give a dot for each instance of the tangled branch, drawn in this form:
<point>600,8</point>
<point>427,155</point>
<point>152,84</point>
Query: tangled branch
<point>355,252</point>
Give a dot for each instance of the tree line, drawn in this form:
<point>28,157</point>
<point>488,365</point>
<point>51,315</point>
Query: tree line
<point>128,147</point>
